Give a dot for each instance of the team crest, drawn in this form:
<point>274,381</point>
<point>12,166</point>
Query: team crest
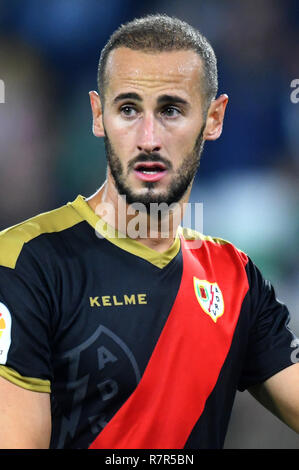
<point>209,297</point>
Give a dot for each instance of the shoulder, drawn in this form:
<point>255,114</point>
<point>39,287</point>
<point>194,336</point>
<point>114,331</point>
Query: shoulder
<point>13,239</point>
<point>190,234</point>
<point>213,244</point>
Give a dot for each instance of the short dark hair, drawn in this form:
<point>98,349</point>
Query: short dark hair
<point>159,33</point>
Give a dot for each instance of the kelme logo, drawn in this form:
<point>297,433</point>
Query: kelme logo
<point>209,297</point>
<point>5,332</point>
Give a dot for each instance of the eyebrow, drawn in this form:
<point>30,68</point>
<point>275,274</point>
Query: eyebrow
<point>127,96</point>
<point>163,99</point>
<point>172,99</point>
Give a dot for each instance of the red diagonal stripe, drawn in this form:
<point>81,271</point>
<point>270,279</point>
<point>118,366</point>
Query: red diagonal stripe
<point>186,361</point>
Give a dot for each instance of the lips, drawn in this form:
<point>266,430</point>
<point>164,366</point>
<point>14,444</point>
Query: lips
<point>150,171</point>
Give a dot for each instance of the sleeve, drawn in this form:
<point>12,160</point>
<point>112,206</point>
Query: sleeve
<point>25,325</point>
<point>270,345</point>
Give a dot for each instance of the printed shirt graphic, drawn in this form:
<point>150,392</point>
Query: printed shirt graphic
<point>122,336</point>
<point>5,332</point>
<point>2,324</point>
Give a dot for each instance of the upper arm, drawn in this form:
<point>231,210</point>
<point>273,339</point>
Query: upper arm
<point>25,417</point>
<point>25,350</point>
<point>270,341</point>
<point>280,395</point>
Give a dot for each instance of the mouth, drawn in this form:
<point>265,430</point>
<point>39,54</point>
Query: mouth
<point>150,171</point>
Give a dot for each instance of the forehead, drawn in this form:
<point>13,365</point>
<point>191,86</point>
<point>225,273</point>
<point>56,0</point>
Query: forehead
<point>128,69</point>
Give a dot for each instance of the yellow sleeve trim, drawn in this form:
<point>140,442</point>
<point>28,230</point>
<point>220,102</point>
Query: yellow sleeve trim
<point>30,383</point>
<point>190,234</point>
<point>13,238</point>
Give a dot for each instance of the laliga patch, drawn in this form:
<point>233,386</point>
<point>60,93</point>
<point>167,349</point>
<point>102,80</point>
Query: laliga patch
<point>209,297</point>
<point>5,332</point>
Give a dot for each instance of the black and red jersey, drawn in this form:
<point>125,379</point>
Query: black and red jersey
<point>139,349</point>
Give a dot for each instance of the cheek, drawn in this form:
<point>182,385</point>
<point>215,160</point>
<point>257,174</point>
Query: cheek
<point>183,140</point>
<point>121,138</point>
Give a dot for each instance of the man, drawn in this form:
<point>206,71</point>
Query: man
<point>115,341</point>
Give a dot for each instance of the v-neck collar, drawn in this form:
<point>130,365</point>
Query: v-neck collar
<point>125,243</point>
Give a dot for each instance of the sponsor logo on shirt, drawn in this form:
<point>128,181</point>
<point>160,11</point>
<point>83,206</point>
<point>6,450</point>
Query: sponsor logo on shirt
<point>209,297</point>
<point>5,332</point>
<point>117,300</point>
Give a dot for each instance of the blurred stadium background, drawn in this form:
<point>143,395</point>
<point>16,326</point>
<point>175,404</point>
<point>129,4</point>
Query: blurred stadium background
<point>248,179</point>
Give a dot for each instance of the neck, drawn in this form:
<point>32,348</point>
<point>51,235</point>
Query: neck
<point>155,230</point>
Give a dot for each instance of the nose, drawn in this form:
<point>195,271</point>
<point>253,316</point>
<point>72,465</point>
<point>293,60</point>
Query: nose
<point>148,139</point>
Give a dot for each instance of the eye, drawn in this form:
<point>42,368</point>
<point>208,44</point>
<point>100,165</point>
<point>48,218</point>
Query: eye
<point>128,110</point>
<point>171,111</point>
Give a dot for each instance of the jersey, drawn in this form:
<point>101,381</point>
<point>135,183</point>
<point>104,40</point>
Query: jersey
<point>138,349</point>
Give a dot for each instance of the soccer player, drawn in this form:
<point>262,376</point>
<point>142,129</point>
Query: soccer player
<point>110,340</point>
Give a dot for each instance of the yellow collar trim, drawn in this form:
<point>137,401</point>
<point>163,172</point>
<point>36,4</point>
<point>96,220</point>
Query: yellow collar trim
<point>125,243</point>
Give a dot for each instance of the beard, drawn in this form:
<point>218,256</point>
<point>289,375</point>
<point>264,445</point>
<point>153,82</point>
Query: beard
<point>176,189</point>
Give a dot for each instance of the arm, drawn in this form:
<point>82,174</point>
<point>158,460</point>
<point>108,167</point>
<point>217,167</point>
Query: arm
<point>280,395</point>
<point>25,417</point>
<point>271,369</point>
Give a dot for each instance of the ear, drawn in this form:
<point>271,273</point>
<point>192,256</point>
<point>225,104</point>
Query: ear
<point>215,118</point>
<point>97,114</point>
